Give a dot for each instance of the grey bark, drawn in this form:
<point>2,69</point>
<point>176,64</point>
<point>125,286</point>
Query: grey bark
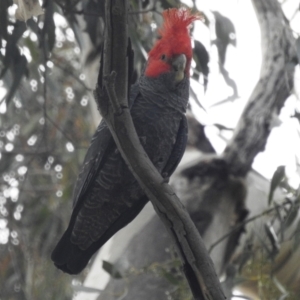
<point>273,88</point>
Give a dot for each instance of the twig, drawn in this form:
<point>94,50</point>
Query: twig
<point>93,14</point>
<point>57,63</point>
<point>68,138</point>
<point>81,12</point>
<point>17,270</point>
<point>241,225</point>
<point>45,58</point>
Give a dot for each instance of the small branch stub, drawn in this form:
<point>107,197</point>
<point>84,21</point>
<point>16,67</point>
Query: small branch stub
<point>109,82</point>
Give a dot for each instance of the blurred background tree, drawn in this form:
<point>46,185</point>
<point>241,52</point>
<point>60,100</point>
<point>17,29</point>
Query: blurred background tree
<point>49,60</point>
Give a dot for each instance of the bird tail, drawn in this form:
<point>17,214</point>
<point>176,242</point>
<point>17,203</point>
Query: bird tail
<point>68,256</point>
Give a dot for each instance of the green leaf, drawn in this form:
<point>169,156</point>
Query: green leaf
<point>225,32</point>
<point>222,127</point>
<point>170,277</point>
<point>271,234</point>
<point>48,31</point>
<point>280,287</point>
<point>31,125</point>
<point>4,4</point>
<point>298,49</point>
<point>291,216</point>
<point>297,236</point>
<point>19,71</point>
<point>278,176</point>
<point>111,270</point>
<point>283,297</point>
<point>201,57</point>
<point>13,57</point>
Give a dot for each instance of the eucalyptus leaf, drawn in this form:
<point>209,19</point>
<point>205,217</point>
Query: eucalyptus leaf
<point>222,127</point>
<point>13,57</point>
<point>278,176</point>
<point>298,49</point>
<point>201,57</point>
<point>291,216</point>
<point>225,31</point>
<point>20,71</point>
<point>111,270</point>
<point>283,297</point>
<point>93,23</point>
<point>297,235</point>
<point>49,27</point>
<point>280,287</point>
<point>170,277</point>
<point>4,4</point>
<point>273,238</point>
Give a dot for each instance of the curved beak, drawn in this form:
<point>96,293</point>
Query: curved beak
<point>178,66</point>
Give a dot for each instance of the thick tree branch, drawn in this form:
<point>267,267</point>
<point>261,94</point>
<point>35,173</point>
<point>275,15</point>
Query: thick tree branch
<point>273,88</point>
<point>197,263</point>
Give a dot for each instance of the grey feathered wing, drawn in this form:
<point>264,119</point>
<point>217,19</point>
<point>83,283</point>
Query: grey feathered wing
<point>71,257</point>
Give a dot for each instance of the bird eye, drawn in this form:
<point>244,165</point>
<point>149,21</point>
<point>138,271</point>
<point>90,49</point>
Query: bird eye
<point>163,57</point>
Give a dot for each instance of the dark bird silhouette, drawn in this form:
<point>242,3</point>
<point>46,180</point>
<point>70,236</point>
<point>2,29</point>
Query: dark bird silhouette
<point>107,196</point>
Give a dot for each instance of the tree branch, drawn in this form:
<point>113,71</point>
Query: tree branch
<point>273,88</point>
<point>197,263</point>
